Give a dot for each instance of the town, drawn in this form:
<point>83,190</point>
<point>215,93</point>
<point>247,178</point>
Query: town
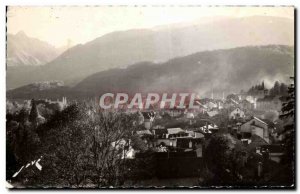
<point>237,138</point>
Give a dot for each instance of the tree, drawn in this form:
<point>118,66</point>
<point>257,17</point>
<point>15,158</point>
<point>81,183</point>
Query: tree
<point>218,159</point>
<point>112,134</point>
<point>283,89</point>
<point>65,149</point>
<point>22,139</point>
<point>276,88</point>
<point>271,115</point>
<point>22,116</point>
<point>33,113</point>
<point>138,143</point>
<point>288,114</point>
<point>80,149</point>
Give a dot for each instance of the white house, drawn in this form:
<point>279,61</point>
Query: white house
<point>212,113</point>
<point>237,113</point>
<point>256,127</point>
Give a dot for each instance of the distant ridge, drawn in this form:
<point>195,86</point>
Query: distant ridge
<point>225,70</point>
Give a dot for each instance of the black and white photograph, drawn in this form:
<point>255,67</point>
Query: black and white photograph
<point>146,96</point>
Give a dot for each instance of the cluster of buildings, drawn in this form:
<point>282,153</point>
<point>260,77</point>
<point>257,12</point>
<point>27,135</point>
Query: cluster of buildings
<point>239,117</point>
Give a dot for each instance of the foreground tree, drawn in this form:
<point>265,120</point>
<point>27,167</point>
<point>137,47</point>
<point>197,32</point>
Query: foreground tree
<point>22,142</point>
<point>288,117</point>
<point>79,149</point>
<point>218,160</point>
<point>112,134</point>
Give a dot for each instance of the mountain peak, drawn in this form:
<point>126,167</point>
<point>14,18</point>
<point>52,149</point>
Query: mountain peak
<point>21,33</point>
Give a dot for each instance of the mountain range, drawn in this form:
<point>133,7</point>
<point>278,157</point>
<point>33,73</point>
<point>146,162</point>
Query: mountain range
<point>122,49</point>
<point>218,71</point>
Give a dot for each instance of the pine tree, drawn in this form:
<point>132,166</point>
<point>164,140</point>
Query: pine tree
<point>22,116</point>
<point>288,116</point>
<point>276,88</point>
<point>33,112</point>
<point>283,89</point>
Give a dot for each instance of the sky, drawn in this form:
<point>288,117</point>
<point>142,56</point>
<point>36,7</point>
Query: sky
<point>65,25</point>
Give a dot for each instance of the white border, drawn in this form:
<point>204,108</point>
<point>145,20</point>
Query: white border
<point>3,3</point>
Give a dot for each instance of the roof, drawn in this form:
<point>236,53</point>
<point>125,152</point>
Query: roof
<point>260,120</point>
<point>212,113</point>
<point>236,109</point>
<point>234,101</point>
<point>174,130</point>
<point>200,104</point>
<point>143,132</point>
<point>212,126</point>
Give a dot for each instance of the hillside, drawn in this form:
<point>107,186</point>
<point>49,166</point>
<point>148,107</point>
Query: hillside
<point>227,70</point>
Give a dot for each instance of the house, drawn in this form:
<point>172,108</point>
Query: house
<point>167,137</point>
<point>180,139</point>
<point>220,104</point>
<point>237,113</point>
<point>255,126</point>
<point>190,115</point>
<point>209,128</point>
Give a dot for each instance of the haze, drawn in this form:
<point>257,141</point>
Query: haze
<point>67,25</point>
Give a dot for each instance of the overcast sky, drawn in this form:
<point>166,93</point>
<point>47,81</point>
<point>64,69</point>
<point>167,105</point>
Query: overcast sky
<point>59,25</point>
